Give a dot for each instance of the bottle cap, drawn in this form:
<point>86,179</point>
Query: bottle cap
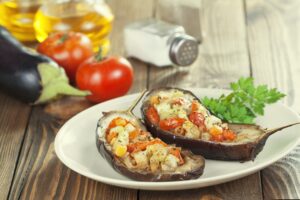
<point>183,50</point>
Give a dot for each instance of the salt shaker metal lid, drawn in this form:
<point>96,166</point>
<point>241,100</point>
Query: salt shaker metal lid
<point>160,43</point>
<point>183,50</point>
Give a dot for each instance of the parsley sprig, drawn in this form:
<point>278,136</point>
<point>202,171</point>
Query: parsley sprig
<point>244,103</point>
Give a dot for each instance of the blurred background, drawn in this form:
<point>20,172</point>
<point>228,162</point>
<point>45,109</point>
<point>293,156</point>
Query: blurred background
<point>33,20</point>
<point>239,33</point>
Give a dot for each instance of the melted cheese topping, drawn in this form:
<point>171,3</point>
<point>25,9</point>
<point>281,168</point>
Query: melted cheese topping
<point>138,149</point>
<point>173,103</point>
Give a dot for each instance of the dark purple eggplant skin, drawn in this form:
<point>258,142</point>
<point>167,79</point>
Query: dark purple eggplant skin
<point>142,175</point>
<point>209,149</point>
<point>19,75</point>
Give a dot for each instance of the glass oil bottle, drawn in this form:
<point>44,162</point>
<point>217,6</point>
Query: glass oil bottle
<point>18,16</point>
<point>91,17</point>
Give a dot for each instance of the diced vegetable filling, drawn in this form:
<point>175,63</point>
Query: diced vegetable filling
<point>139,149</point>
<point>183,115</point>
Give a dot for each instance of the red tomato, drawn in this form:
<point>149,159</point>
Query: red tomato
<point>152,115</point>
<point>176,152</point>
<point>229,135</point>
<point>217,138</point>
<point>69,50</point>
<point>194,106</point>
<point>197,119</point>
<point>105,79</point>
<point>171,123</point>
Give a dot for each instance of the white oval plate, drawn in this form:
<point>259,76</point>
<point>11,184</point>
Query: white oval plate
<point>75,146</point>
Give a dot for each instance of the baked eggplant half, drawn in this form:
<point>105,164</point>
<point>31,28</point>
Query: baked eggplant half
<point>123,140</point>
<point>178,117</point>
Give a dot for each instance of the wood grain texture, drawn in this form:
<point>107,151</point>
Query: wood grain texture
<point>71,105</point>
<point>282,179</point>
<point>181,12</point>
<point>223,58</point>
<point>274,44</point>
<point>14,116</point>
<point>234,190</point>
<point>40,174</point>
<point>272,35</point>
<point>272,52</point>
<point>125,13</point>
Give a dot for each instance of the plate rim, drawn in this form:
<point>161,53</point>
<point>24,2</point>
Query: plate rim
<point>188,184</point>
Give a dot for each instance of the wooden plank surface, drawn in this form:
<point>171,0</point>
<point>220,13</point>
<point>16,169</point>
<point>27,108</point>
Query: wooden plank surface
<point>223,59</point>
<point>126,12</point>
<point>270,43</point>
<point>40,174</point>
<point>13,121</point>
<point>234,190</point>
<point>272,51</point>
<point>223,54</point>
<point>274,44</point>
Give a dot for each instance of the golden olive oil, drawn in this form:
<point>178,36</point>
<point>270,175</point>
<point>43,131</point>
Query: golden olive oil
<point>93,20</point>
<point>18,16</point>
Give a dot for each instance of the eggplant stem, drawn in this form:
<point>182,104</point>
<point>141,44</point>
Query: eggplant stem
<point>271,131</point>
<point>55,83</point>
<point>130,109</point>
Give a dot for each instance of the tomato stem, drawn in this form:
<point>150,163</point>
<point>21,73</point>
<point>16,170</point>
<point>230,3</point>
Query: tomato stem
<point>63,38</point>
<point>98,56</point>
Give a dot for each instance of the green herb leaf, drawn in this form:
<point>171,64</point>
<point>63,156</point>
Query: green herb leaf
<point>244,103</point>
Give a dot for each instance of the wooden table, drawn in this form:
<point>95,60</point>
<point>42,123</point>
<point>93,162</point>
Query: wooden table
<point>240,38</point>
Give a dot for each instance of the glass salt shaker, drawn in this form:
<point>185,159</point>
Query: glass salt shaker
<point>160,43</point>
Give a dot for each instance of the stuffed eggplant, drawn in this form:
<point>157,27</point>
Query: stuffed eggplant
<point>132,151</point>
<point>178,117</point>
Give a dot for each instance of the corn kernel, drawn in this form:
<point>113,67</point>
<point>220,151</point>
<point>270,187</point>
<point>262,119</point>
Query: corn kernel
<point>121,151</point>
<point>154,100</point>
<point>215,130</point>
<point>121,122</point>
<point>113,141</point>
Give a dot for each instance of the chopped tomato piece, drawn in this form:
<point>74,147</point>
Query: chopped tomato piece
<point>157,141</point>
<point>141,146</point>
<point>118,122</point>
<point>217,138</point>
<point>152,115</point>
<point>194,106</point>
<point>176,152</point>
<point>133,134</point>
<point>130,147</point>
<point>171,123</point>
<point>135,147</point>
<point>229,135</point>
<point>111,135</point>
<point>197,119</point>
